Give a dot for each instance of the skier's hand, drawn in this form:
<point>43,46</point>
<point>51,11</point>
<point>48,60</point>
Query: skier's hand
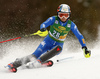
<point>43,29</point>
<point>41,33</point>
<point>87,53</point>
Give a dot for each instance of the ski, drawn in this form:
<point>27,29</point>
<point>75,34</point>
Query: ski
<point>13,69</point>
<point>31,65</point>
<point>48,63</point>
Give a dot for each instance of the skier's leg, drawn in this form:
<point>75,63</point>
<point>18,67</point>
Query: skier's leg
<point>43,59</point>
<point>20,61</point>
<point>47,46</point>
<point>58,44</point>
<point>57,49</point>
<point>44,46</point>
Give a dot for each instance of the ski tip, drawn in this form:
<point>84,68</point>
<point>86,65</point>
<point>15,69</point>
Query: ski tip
<point>13,69</point>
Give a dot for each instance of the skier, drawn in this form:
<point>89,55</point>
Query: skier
<point>60,25</point>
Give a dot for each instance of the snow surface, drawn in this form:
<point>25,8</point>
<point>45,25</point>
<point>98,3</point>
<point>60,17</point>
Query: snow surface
<point>77,67</point>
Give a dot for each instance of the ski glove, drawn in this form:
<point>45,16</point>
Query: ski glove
<point>87,53</point>
<point>43,29</point>
<point>42,32</point>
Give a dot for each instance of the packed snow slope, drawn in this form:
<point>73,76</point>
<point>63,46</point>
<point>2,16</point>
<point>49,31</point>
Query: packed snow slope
<point>76,67</point>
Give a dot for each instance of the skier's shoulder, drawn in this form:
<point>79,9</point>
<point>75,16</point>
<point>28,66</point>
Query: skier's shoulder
<point>73,25</point>
<point>52,18</point>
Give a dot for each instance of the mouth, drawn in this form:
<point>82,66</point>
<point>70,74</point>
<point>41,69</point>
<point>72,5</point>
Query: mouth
<point>63,19</point>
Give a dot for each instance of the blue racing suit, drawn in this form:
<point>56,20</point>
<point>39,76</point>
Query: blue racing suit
<point>48,43</point>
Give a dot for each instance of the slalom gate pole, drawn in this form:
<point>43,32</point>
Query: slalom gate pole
<point>15,38</point>
<point>10,39</point>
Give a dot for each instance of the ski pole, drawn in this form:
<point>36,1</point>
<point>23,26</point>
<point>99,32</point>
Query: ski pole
<point>59,60</point>
<point>42,34</point>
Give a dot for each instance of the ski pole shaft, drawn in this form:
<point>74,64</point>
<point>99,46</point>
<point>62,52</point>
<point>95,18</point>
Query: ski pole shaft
<point>59,60</point>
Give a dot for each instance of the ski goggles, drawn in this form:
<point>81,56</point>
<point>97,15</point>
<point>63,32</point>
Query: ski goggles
<point>65,15</point>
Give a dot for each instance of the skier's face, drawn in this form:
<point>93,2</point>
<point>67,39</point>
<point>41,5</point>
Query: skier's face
<point>63,19</point>
<point>63,16</point>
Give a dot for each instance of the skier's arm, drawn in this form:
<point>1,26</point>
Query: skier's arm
<point>80,37</point>
<point>47,23</point>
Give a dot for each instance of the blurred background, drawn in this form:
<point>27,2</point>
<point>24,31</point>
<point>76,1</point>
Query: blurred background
<point>21,17</point>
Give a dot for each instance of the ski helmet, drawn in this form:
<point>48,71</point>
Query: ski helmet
<point>64,8</point>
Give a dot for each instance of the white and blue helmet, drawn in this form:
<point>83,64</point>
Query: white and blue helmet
<point>64,8</point>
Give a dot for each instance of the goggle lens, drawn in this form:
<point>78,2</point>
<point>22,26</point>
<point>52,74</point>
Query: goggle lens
<point>63,14</point>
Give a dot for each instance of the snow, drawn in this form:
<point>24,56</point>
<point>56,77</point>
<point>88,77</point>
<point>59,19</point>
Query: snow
<point>76,67</point>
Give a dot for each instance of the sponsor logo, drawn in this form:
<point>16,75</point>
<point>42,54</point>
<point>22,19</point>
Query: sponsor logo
<point>43,25</point>
<point>83,41</point>
<point>43,43</point>
<point>78,32</point>
<point>68,25</point>
<point>65,31</point>
<point>40,49</point>
<point>62,28</point>
<point>75,27</point>
<point>65,9</point>
<point>63,37</point>
<point>56,22</point>
<point>57,29</point>
<point>51,18</point>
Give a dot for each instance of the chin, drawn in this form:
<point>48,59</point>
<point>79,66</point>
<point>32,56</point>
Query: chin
<point>64,20</point>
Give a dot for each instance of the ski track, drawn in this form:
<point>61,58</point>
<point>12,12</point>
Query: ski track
<point>77,67</point>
